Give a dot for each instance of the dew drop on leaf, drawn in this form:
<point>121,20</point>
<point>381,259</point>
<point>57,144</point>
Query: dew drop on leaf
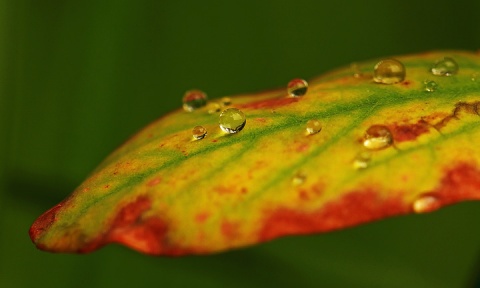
<point>425,203</point>
<point>298,179</point>
<point>475,76</point>
<point>213,107</point>
<point>445,67</point>
<point>389,71</point>
<point>313,127</point>
<point>297,87</point>
<point>194,99</point>
<point>430,86</point>
<point>232,120</point>
<point>226,101</point>
<point>357,73</point>
<point>377,137</point>
<point>362,160</point>
<point>199,132</point>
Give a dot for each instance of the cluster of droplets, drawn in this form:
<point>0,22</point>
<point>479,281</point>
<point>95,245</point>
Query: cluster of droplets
<point>376,137</point>
<point>231,120</point>
<point>391,71</point>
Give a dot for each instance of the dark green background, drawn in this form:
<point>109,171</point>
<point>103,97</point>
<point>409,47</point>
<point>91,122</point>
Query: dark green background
<point>79,77</point>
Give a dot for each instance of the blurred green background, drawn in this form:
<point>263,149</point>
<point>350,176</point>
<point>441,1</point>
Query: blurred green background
<point>79,77</point>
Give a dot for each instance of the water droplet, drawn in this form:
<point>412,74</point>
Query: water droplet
<point>213,107</point>
<point>357,73</point>
<point>475,76</point>
<point>194,99</point>
<point>232,120</point>
<point>445,67</point>
<point>226,101</point>
<point>377,137</point>
<point>297,87</point>
<point>389,71</point>
<point>362,160</point>
<point>426,203</point>
<point>199,132</point>
<point>299,178</point>
<point>430,86</point>
<point>313,127</point>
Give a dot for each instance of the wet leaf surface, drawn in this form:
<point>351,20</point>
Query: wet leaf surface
<point>376,151</point>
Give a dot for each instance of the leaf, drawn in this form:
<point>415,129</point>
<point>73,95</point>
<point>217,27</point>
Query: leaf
<point>164,193</point>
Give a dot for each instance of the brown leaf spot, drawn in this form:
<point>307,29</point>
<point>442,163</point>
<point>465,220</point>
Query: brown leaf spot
<point>202,217</point>
<point>408,132</point>
<point>313,192</point>
<point>154,181</point>
<point>222,190</point>
<point>44,222</point>
<point>230,230</point>
<point>351,209</point>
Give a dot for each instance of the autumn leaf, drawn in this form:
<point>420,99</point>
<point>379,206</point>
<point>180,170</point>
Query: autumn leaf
<point>348,151</point>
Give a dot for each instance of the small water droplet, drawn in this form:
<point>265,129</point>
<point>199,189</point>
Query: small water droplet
<point>297,87</point>
<point>426,203</point>
<point>430,86</point>
<point>232,120</point>
<point>445,67</point>
<point>313,127</point>
<point>475,76</point>
<point>389,71</point>
<point>199,132</point>
<point>362,160</point>
<point>377,137</point>
<point>299,178</point>
<point>357,73</point>
<point>194,99</point>
<point>213,107</point>
<point>226,101</point>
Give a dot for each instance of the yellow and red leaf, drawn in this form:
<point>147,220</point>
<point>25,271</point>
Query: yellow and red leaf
<point>165,193</point>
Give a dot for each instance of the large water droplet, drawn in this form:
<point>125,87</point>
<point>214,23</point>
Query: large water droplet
<point>430,86</point>
<point>362,160</point>
<point>194,99</point>
<point>377,137</point>
<point>426,203</point>
<point>389,71</point>
<point>232,120</point>
<point>313,127</point>
<point>213,107</point>
<point>199,132</point>
<point>445,67</point>
<point>297,87</point>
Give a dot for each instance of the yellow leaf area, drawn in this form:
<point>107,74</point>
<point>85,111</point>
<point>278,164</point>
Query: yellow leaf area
<point>165,193</point>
